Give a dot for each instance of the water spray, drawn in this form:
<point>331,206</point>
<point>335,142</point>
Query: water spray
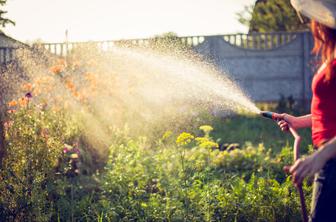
<point>297,139</point>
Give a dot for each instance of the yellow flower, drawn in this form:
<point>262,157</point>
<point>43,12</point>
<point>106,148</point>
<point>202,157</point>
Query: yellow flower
<point>209,145</point>
<point>201,140</point>
<point>74,156</point>
<point>206,129</point>
<point>184,139</point>
<point>166,135</point>
<point>204,142</point>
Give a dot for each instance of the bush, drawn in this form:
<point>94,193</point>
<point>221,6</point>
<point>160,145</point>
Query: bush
<point>35,139</point>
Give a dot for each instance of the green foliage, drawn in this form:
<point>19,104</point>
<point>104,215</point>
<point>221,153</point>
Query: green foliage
<point>271,16</point>
<point>167,42</point>
<point>34,142</point>
<point>174,177</point>
<point>174,183</point>
<point>256,130</point>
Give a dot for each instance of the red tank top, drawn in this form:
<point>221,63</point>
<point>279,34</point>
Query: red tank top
<point>323,107</point>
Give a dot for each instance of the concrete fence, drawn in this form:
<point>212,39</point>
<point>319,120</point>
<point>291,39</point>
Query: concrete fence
<point>284,68</point>
<point>265,65</point>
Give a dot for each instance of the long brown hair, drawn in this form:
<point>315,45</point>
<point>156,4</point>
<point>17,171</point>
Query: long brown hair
<point>324,43</point>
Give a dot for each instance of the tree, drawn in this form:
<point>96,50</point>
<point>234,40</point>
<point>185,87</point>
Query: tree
<point>271,16</point>
<point>168,41</point>
<point>3,20</point>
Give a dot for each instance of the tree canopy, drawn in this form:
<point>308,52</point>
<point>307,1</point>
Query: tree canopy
<point>168,41</point>
<point>3,20</point>
<point>271,16</point>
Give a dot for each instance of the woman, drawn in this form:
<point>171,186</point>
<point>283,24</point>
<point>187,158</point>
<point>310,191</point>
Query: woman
<point>322,119</point>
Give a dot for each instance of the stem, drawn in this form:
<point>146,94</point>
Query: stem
<point>72,194</point>
<point>184,181</point>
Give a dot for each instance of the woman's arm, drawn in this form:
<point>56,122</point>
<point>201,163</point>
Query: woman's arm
<point>313,163</point>
<point>299,122</point>
<point>295,122</point>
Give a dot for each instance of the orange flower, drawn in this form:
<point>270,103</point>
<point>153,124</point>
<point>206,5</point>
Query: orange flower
<point>57,69</point>
<point>23,102</point>
<point>61,62</point>
<point>12,103</point>
<point>70,85</point>
<point>27,86</point>
<point>75,94</point>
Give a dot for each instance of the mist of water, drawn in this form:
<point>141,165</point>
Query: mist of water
<point>137,87</point>
<point>163,80</point>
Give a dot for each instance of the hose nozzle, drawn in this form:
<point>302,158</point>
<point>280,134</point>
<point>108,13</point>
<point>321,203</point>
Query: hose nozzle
<point>268,114</point>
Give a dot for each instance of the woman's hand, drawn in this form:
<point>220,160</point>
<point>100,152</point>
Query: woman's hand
<point>312,164</point>
<point>285,120</point>
<point>306,167</point>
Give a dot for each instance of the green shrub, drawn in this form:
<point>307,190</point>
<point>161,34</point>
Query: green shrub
<point>194,182</point>
<point>35,139</point>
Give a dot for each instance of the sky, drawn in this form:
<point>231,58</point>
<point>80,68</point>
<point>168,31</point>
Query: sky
<point>94,20</point>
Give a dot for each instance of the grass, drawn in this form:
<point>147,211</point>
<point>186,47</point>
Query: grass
<point>256,130</point>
